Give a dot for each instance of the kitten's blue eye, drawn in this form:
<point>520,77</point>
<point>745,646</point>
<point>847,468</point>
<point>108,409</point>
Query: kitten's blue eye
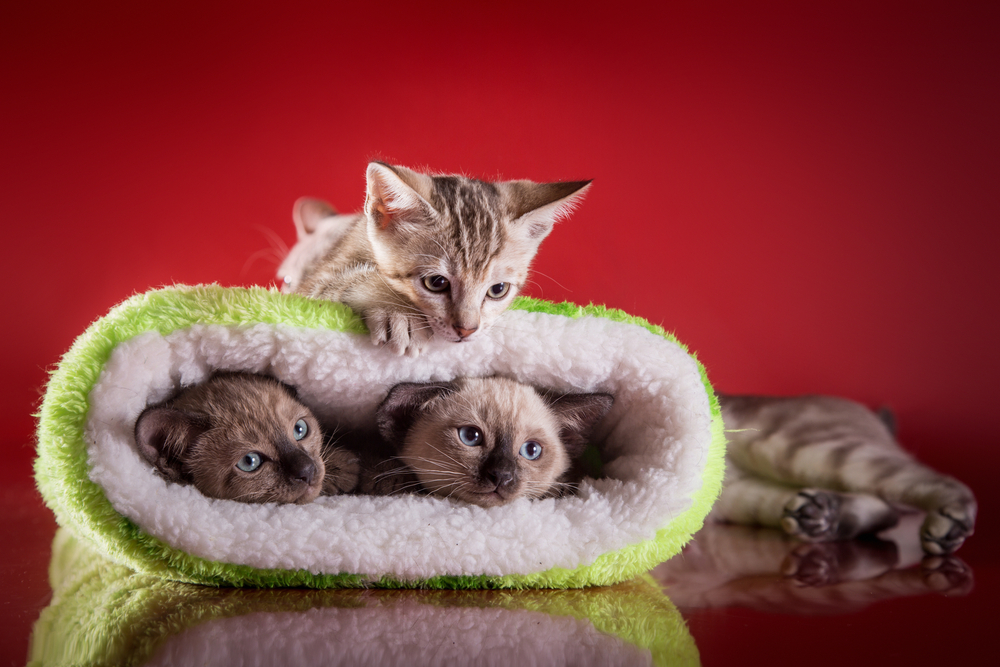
<point>436,283</point>
<point>531,450</point>
<point>301,429</point>
<point>498,291</point>
<point>470,435</point>
<point>250,462</point>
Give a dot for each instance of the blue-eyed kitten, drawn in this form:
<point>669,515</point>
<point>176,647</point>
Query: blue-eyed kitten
<point>245,437</point>
<point>485,441</point>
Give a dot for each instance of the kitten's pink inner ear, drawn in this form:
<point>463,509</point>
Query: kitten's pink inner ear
<point>540,205</point>
<point>307,213</point>
<point>390,200</point>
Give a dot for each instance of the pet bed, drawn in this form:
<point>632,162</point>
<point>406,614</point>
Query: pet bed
<point>661,445</point>
<point>104,614</point>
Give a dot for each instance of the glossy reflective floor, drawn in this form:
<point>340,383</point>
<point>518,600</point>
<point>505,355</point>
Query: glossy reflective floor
<point>735,593</point>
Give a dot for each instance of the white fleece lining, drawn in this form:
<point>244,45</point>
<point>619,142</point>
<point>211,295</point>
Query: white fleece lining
<point>655,442</point>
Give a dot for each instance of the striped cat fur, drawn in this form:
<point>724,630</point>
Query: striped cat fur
<point>429,256</point>
<point>825,468</point>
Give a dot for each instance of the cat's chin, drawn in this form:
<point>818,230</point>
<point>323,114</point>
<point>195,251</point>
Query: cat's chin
<point>309,494</point>
<point>488,498</point>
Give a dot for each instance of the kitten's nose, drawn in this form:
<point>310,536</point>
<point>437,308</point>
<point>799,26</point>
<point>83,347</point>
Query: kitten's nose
<point>465,333</point>
<point>307,473</point>
<point>301,468</point>
<point>500,477</point>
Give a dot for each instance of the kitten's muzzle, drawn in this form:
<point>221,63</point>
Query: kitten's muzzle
<point>463,332</point>
<point>499,475</point>
<point>299,466</point>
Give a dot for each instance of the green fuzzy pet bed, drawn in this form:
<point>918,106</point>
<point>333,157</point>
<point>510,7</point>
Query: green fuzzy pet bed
<point>661,446</point>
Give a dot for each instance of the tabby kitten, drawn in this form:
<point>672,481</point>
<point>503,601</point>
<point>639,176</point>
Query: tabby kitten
<point>429,255</point>
<point>245,437</point>
<point>825,468</point>
<point>486,441</point>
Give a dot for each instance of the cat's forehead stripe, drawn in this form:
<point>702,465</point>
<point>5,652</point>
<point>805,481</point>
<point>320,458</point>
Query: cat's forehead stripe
<point>475,209</point>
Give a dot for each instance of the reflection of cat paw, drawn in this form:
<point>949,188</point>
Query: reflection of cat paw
<point>400,331</point>
<point>947,574</point>
<point>812,565</point>
<point>945,529</point>
<point>342,471</point>
<point>812,515</point>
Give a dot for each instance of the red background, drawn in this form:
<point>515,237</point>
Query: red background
<point>805,192</point>
<point>807,195</point>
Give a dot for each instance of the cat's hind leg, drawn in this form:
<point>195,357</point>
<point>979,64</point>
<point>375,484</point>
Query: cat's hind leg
<point>829,443</point>
<point>813,515</point>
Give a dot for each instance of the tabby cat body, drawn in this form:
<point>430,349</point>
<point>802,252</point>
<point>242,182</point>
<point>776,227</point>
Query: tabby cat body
<point>244,437</point>
<point>826,468</point>
<point>430,256</point>
<point>486,441</point>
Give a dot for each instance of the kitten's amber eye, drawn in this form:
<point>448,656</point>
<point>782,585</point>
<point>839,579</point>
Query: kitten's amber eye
<point>301,429</point>
<point>498,291</point>
<point>251,461</point>
<point>470,435</point>
<point>436,283</point>
<point>531,450</point>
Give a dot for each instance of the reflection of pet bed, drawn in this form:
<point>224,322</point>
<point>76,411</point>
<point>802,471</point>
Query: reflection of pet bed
<point>662,447</point>
<point>103,613</point>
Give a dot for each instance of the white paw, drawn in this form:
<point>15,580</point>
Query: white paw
<point>399,331</point>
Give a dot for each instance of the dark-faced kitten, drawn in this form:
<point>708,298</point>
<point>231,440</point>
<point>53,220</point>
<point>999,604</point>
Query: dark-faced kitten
<point>486,441</point>
<point>825,468</point>
<point>430,255</point>
<point>245,437</point>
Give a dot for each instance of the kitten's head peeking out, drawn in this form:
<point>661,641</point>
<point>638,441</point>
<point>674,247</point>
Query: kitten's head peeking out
<point>318,228</point>
<point>236,436</point>
<point>489,441</point>
<point>459,248</point>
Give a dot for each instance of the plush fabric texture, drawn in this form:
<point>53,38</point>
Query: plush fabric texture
<point>104,614</point>
<point>662,446</point>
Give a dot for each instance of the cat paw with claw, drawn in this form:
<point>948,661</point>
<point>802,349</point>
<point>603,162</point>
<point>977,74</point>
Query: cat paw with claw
<point>945,530</point>
<point>401,332</point>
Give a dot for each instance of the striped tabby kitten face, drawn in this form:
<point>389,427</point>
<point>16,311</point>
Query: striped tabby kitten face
<point>459,249</point>
<point>489,441</point>
<point>430,255</point>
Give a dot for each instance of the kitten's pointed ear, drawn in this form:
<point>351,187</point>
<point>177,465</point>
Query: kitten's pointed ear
<point>397,412</point>
<point>395,194</point>
<point>163,435</point>
<point>538,206</point>
<point>578,414</point>
<point>307,214</point>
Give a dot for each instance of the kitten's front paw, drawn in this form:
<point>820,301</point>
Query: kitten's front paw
<point>812,515</point>
<point>399,331</point>
<point>387,478</point>
<point>342,471</point>
<point>945,530</point>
